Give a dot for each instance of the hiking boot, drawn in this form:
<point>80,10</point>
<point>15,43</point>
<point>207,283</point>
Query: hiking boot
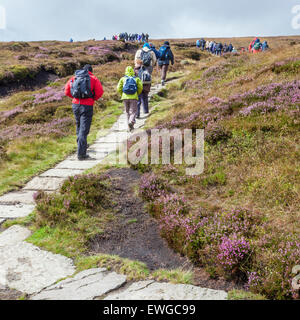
<point>131,127</point>
<point>85,158</point>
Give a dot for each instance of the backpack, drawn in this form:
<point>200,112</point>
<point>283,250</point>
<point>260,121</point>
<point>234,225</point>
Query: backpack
<point>163,53</point>
<point>130,86</point>
<point>257,46</point>
<point>145,76</point>
<point>81,86</point>
<point>146,57</point>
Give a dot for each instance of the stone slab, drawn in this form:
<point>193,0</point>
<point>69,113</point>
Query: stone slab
<point>44,184</point>
<point>81,165</point>
<point>1,221</point>
<point>13,236</point>
<point>97,155</point>
<point>61,173</point>
<point>25,197</point>
<point>148,290</point>
<point>86,285</point>
<point>28,269</point>
<point>15,211</point>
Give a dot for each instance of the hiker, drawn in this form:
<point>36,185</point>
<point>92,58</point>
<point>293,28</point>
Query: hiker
<point>203,43</point>
<point>145,57</point>
<point>257,46</point>
<point>198,44</point>
<point>145,76</point>
<point>230,47</point>
<point>71,40</point>
<point>130,87</point>
<point>219,48</point>
<point>84,88</point>
<point>265,46</point>
<point>166,55</point>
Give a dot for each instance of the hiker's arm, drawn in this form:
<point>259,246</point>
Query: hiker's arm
<point>98,90</point>
<point>137,56</point>
<point>172,57</point>
<point>154,59</point>
<point>120,86</point>
<point>68,89</point>
<point>140,86</point>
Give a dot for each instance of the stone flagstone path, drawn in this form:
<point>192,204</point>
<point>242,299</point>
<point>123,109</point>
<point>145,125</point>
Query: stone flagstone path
<point>28,269</point>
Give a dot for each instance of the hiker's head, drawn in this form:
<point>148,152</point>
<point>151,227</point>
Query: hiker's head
<point>129,71</point>
<point>151,45</point>
<point>166,43</point>
<point>88,67</point>
<point>146,45</point>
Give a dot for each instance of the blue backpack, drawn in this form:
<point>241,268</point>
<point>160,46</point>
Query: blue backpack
<point>81,86</point>
<point>163,52</point>
<point>130,86</point>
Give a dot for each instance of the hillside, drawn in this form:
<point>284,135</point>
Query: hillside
<point>238,222</point>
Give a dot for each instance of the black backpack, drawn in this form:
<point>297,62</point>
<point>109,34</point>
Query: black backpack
<point>145,76</point>
<point>81,86</point>
<point>146,58</point>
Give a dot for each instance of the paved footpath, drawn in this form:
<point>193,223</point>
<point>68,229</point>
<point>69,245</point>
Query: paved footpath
<point>28,269</point>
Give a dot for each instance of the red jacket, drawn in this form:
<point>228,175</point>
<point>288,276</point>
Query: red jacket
<point>96,87</point>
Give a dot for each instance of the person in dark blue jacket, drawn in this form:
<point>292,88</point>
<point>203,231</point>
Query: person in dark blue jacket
<point>166,56</point>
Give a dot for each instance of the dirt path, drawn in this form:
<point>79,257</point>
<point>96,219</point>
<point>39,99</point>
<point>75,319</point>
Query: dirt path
<point>135,234</point>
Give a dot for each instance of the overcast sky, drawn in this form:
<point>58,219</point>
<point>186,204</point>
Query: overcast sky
<point>87,19</point>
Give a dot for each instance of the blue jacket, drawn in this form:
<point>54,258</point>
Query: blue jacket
<point>157,53</point>
<point>170,57</point>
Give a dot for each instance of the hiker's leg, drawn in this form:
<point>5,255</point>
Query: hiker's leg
<point>138,113</point>
<point>127,105</point>
<point>76,111</point>
<point>132,111</point>
<point>165,71</point>
<point>145,102</point>
<point>86,116</point>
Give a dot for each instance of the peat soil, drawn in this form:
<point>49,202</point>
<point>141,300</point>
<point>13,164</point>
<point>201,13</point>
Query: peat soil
<point>135,234</point>
<point>38,82</point>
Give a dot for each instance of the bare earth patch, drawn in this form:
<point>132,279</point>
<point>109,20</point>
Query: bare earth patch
<point>135,234</point>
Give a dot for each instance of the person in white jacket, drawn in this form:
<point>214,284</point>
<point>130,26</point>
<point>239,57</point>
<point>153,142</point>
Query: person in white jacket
<point>146,58</point>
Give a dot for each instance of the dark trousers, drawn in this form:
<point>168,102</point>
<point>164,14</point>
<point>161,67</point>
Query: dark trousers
<point>83,116</point>
<point>143,100</point>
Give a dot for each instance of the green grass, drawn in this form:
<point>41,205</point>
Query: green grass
<point>244,295</point>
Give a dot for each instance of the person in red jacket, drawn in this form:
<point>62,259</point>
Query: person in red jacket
<point>83,110</point>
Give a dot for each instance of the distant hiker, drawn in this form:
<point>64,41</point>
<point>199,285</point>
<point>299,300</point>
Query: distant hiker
<point>85,89</point>
<point>146,79</point>
<point>202,43</point>
<point>198,44</point>
<point>71,40</point>
<point>257,47</point>
<point>230,47</point>
<point>265,46</point>
<point>145,57</point>
<point>130,87</point>
<point>166,55</point>
<point>219,48</point>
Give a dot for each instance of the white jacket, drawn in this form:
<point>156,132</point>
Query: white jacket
<point>139,54</point>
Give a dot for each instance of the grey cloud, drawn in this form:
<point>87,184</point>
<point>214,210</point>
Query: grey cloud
<point>82,20</point>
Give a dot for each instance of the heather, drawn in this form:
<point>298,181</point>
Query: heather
<point>240,218</point>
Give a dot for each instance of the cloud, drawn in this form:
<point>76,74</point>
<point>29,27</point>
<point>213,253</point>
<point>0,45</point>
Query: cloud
<point>82,20</point>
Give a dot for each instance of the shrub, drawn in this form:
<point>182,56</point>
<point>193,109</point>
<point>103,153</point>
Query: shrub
<point>79,195</point>
<point>234,254</point>
<point>152,187</point>
<point>215,133</point>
